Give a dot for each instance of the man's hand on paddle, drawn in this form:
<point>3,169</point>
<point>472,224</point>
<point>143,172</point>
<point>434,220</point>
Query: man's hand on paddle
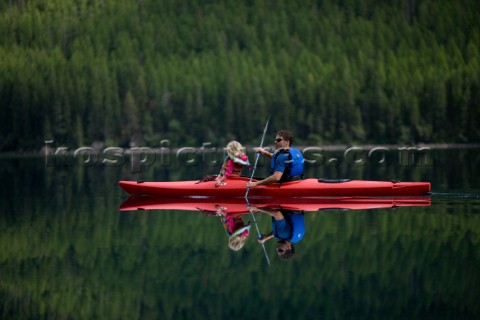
<point>275,177</point>
<point>252,184</point>
<point>262,238</point>
<point>263,152</point>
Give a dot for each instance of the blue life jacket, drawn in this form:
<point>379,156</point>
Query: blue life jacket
<point>294,167</point>
<point>296,220</point>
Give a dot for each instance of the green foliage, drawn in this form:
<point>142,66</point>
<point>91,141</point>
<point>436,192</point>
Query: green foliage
<point>330,71</point>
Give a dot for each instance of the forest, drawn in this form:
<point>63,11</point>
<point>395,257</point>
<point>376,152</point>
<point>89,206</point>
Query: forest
<point>136,72</point>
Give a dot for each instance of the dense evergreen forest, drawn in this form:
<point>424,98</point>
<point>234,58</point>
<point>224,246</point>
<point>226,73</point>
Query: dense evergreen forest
<point>139,71</point>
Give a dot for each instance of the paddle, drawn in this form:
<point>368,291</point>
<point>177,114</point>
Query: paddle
<point>257,156</point>
<point>259,235</point>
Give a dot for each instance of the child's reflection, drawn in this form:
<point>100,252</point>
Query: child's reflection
<point>236,229</point>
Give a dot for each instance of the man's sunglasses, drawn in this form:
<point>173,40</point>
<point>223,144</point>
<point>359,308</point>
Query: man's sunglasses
<point>278,140</point>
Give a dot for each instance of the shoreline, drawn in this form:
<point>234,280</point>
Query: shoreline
<point>338,147</point>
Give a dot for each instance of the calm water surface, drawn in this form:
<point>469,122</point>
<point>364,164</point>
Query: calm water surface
<point>66,251</point>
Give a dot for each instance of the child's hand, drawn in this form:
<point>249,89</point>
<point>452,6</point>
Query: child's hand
<point>219,181</point>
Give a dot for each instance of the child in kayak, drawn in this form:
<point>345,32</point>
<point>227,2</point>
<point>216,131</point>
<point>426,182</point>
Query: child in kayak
<point>233,163</point>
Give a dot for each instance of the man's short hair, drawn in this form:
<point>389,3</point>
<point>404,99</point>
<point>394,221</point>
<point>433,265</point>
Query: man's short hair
<point>286,135</point>
<point>287,254</point>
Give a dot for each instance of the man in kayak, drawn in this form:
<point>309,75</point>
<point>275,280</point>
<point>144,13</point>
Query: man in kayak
<point>288,227</point>
<point>286,164</point>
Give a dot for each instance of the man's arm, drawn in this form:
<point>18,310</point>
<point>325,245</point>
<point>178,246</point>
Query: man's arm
<point>275,177</point>
<point>265,238</point>
<point>263,152</point>
<point>278,215</point>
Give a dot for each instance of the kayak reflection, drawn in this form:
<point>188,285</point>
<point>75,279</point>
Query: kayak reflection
<point>239,206</point>
<point>288,224</point>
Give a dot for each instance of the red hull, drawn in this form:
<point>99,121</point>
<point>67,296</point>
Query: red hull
<point>304,188</point>
<point>238,205</point>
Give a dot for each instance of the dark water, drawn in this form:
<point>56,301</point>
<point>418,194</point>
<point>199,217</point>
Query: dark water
<point>67,252</point>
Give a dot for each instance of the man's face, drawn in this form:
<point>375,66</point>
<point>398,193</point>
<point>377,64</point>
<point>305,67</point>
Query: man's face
<point>283,246</point>
<point>281,143</point>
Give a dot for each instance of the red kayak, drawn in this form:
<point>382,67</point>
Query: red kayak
<point>239,205</point>
<point>236,187</point>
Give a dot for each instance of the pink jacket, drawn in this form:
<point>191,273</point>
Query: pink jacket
<point>233,167</point>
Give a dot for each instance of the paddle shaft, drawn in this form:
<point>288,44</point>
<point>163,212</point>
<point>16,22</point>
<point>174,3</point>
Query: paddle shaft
<point>257,156</point>
<point>248,189</point>
<point>258,233</point>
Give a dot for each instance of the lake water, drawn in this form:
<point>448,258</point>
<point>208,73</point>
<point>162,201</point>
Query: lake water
<point>68,252</point>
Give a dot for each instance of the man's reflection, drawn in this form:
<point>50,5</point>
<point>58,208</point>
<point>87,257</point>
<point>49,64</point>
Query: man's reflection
<point>288,227</point>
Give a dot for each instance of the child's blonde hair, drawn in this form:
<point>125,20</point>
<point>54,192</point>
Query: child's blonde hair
<point>237,242</point>
<point>235,149</point>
